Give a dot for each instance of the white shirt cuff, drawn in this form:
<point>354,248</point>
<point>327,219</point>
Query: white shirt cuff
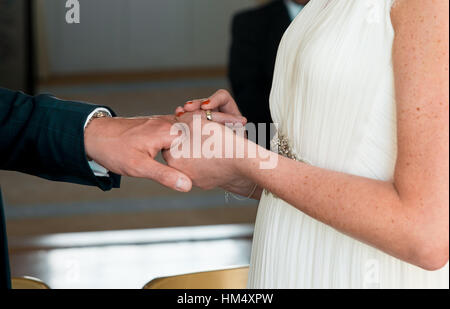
<point>96,168</point>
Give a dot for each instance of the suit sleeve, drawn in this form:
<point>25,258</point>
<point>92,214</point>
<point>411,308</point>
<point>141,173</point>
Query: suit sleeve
<point>246,67</point>
<point>44,136</point>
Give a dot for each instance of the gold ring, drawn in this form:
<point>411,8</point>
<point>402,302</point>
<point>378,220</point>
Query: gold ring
<point>209,115</point>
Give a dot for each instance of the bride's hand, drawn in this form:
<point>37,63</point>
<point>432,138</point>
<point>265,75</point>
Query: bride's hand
<point>210,168</point>
<point>222,105</point>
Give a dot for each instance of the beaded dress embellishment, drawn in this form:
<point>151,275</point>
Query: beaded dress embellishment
<point>280,144</point>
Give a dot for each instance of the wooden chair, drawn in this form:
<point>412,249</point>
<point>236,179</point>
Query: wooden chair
<point>28,283</point>
<point>233,278</point>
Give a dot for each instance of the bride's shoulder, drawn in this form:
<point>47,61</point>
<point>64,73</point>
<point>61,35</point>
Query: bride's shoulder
<point>398,6</point>
<point>418,11</point>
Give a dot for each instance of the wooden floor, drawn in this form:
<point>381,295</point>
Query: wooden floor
<point>128,259</point>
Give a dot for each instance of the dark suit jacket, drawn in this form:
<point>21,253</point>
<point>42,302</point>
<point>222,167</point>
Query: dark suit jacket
<point>256,36</point>
<point>43,136</point>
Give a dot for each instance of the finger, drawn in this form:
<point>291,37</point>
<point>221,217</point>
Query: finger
<point>218,117</point>
<point>227,118</point>
<point>223,101</point>
<point>179,111</point>
<point>167,176</point>
<point>194,105</point>
<point>168,118</point>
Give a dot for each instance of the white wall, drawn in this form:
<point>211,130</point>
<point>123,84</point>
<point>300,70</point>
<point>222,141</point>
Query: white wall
<point>126,35</point>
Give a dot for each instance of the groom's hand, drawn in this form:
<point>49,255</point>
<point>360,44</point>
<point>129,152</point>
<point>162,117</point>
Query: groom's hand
<point>128,147</point>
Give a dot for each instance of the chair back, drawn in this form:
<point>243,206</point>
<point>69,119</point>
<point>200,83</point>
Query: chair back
<point>234,278</point>
<point>28,283</point>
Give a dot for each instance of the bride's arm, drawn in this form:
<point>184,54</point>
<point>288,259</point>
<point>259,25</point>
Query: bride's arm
<point>409,217</point>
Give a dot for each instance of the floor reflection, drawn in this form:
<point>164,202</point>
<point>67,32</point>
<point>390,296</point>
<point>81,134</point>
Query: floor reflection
<point>149,254</point>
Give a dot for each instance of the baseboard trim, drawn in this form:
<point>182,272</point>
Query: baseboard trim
<point>132,76</point>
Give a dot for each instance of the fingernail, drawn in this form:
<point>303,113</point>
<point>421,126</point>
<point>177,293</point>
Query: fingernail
<point>180,114</point>
<point>206,102</point>
<point>182,185</point>
<point>189,102</point>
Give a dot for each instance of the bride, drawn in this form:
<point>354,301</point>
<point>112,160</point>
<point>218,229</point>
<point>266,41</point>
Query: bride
<point>360,197</point>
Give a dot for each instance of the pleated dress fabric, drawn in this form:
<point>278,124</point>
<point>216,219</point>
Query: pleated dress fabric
<point>333,97</point>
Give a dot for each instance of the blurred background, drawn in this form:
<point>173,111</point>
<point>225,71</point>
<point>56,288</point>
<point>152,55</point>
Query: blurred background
<point>140,57</point>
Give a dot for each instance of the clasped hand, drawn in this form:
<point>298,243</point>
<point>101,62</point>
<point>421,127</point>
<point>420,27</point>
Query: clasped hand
<point>128,146</point>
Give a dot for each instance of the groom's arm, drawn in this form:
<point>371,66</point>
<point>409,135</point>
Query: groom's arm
<point>44,136</point>
<point>47,137</point>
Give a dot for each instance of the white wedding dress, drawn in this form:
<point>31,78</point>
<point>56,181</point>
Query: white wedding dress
<point>333,98</point>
